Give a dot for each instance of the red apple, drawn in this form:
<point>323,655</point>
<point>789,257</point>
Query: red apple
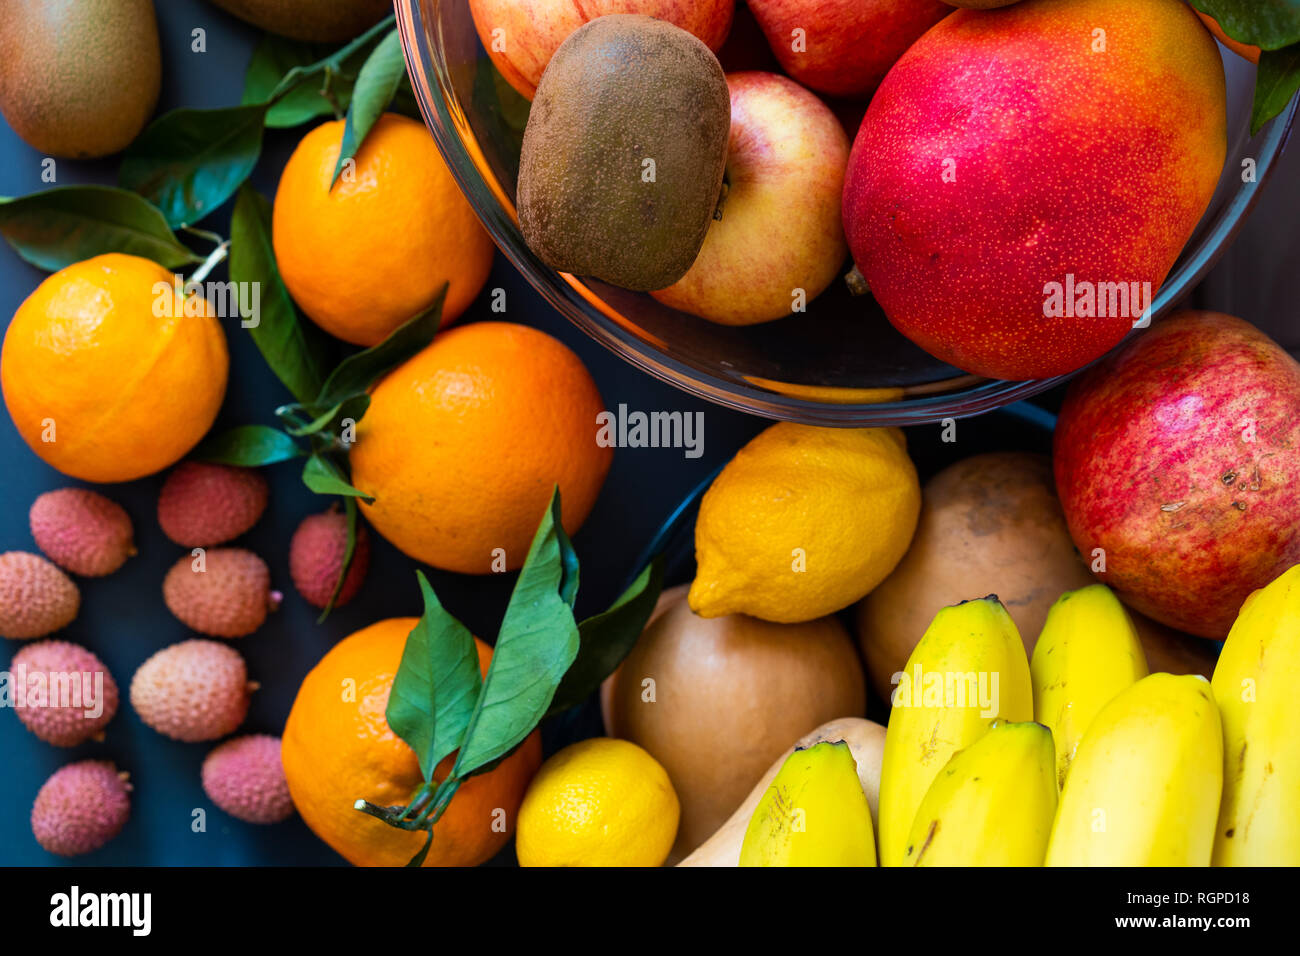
<point>844,47</point>
<point>521,36</point>
<point>1178,457</point>
<point>779,242</point>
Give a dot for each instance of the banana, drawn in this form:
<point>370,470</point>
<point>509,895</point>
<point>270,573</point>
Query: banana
<point>1144,786</point>
<point>992,804</point>
<point>969,668</point>
<point>1255,685</point>
<point>813,814</point>
<point>1088,652</point>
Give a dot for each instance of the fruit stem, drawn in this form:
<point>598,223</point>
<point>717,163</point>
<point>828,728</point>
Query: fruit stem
<point>722,198</point>
<point>857,282</point>
<point>217,257</point>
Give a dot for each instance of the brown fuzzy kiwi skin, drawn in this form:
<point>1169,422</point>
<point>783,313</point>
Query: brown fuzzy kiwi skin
<point>619,91</point>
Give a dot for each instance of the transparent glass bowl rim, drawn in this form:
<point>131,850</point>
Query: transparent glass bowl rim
<point>445,118</point>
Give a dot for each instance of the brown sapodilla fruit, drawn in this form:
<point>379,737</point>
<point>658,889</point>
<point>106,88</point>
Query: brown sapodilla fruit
<point>73,698</point>
<point>316,557</point>
<point>36,598</point>
<point>192,691</point>
<point>82,531</point>
<point>726,696</point>
<point>224,592</point>
<point>203,504</point>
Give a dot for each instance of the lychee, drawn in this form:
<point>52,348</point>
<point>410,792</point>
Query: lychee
<point>225,592</point>
<point>245,778</point>
<point>316,558</point>
<point>195,690</point>
<point>36,598</point>
<point>203,504</point>
<point>68,695</point>
<point>82,531</point>
<point>81,807</point>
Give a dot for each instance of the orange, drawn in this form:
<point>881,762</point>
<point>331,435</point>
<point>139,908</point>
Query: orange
<point>1245,50</point>
<point>105,374</point>
<point>338,748</point>
<point>362,258</point>
<point>463,443</point>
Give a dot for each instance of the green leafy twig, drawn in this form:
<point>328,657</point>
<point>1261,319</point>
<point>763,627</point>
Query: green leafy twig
<point>188,162</point>
<point>380,78</point>
<point>440,706</point>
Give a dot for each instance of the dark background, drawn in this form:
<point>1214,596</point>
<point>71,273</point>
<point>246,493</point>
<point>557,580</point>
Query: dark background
<point>123,619</point>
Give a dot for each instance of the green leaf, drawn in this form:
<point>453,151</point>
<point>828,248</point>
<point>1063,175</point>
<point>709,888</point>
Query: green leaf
<point>1277,81</point>
<point>188,162</point>
<point>323,476</point>
<point>356,373</point>
<point>319,91</point>
<point>436,684</point>
<point>606,638</point>
<point>376,86</point>
<point>248,446</point>
<point>58,227</point>
<point>349,550</point>
<point>536,646</point>
<point>1270,24</point>
<point>291,348</point>
<point>272,59</point>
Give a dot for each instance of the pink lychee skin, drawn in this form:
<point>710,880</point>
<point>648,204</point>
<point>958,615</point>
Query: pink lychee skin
<point>316,556</point>
<point>80,808</point>
<point>192,691</point>
<point>1003,153</point>
<point>245,778</point>
<point>82,531</point>
<point>203,504</point>
<point>64,726</point>
<point>1154,465</point>
<point>230,597</point>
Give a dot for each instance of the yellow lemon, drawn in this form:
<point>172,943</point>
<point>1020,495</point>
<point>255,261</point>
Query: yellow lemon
<point>601,802</point>
<point>803,522</point>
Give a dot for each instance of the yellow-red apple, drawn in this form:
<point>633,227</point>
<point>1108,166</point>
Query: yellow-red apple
<point>521,36</point>
<point>780,242</point>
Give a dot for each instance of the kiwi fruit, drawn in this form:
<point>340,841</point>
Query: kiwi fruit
<point>624,152</point>
<point>78,78</point>
<point>316,21</point>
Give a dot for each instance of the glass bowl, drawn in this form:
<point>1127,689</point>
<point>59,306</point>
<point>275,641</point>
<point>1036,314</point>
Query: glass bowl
<point>841,362</point>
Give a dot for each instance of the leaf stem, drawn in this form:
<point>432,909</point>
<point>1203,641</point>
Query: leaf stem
<point>215,259</point>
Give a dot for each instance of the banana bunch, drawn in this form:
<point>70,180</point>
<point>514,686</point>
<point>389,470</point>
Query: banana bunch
<point>1081,758</point>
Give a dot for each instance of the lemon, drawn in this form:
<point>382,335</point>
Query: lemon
<point>601,802</point>
<point>803,522</point>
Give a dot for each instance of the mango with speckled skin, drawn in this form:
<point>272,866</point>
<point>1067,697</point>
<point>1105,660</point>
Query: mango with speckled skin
<point>1048,146</point>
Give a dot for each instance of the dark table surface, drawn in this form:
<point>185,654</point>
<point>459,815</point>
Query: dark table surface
<point>123,619</point>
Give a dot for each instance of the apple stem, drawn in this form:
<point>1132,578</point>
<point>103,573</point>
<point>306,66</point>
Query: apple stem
<point>722,200</point>
<point>857,282</point>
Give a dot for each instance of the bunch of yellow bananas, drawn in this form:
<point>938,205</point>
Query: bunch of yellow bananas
<point>1080,758</point>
